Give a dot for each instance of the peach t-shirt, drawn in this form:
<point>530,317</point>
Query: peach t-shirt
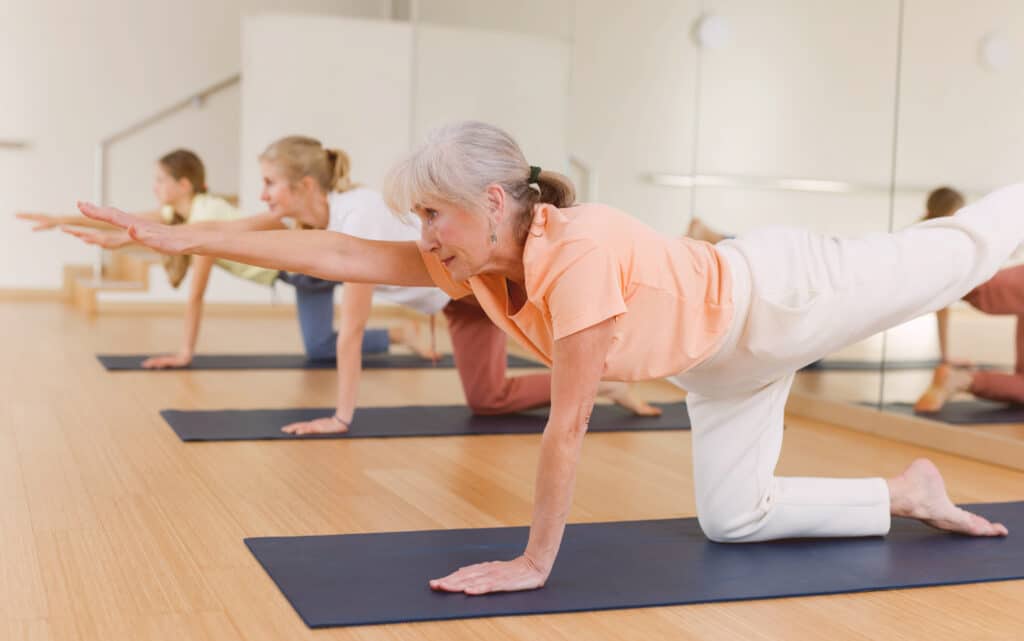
<point>671,298</point>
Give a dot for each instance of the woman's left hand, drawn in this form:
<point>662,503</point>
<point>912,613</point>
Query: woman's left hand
<point>496,576</point>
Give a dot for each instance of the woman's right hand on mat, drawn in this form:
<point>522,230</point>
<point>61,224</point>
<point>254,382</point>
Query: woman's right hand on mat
<point>325,425</point>
<point>181,359</point>
<point>42,221</point>
<point>104,239</point>
<point>166,239</point>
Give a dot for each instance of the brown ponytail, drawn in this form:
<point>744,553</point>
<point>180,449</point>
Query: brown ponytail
<point>944,201</point>
<point>556,189</point>
<point>550,188</point>
<point>182,163</point>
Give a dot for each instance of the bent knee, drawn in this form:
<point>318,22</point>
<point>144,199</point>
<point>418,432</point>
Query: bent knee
<point>487,400</point>
<point>730,525</point>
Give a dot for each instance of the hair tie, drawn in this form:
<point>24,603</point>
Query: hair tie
<point>534,175</point>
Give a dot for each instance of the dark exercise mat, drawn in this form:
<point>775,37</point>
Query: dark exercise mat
<point>133,362</point>
<point>359,579</point>
<point>386,422</point>
<point>965,412</point>
<point>835,365</point>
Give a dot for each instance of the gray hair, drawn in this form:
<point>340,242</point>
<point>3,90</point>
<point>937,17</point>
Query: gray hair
<point>457,163</point>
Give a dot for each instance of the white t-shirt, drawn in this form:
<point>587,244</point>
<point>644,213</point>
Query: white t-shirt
<point>361,212</point>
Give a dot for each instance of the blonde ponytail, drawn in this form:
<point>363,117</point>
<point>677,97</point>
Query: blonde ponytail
<point>301,156</point>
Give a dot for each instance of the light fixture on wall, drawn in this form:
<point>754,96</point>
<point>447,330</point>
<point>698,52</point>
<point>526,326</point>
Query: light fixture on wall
<point>996,51</point>
<point>711,31</point>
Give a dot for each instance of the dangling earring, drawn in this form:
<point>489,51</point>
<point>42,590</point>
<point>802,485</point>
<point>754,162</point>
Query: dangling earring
<point>494,238</point>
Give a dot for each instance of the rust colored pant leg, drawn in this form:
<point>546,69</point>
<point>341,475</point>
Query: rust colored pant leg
<point>480,351</point>
<point>1002,294</point>
<point>997,386</point>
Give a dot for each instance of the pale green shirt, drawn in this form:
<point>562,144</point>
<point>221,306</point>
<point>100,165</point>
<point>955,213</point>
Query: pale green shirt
<point>205,208</point>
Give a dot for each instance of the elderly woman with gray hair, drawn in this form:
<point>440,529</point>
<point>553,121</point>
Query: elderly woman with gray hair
<point>601,296</point>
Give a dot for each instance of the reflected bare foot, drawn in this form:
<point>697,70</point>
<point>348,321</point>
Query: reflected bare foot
<point>622,394</point>
<point>699,231</point>
<point>947,381</point>
<point>410,335</point>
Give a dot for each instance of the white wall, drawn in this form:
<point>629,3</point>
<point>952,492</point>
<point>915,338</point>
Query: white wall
<point>75,72</point>
<point>548,18</point>
<point>320,79</point>
<point>802,87</point>
<point>373,106</point>
<point>961,122</point>
<point>518,82</point>
<point>633,85</point>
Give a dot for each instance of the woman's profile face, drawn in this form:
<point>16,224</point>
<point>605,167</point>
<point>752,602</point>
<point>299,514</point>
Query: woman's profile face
<point>167,189</point>
<point>458,237</point>
<point>285,199</point>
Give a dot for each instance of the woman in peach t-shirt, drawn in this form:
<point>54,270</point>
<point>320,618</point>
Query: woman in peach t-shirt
<point>598,295</point>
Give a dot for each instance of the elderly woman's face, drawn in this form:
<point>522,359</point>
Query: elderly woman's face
<point>459,238</point>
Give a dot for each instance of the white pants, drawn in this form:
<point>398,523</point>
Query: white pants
<point>799,296</point>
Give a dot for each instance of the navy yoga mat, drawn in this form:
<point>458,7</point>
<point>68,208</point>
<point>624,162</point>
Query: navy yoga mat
<point>384,422</point>
<point>966,412</point>
<point>133,362</point>
<point>358,579</point>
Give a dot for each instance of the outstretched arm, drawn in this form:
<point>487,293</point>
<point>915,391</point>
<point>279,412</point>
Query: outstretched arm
<point>324,254</point>
<point>578,362</point>
<point>48,221</point>
<point>110,237</point>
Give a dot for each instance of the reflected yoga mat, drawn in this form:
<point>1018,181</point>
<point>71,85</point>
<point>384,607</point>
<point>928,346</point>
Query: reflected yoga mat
<point>966,412</point>
<point>360,579</point>
<point>389,422</point>
<point>837,365</point>
<point>133,362</point>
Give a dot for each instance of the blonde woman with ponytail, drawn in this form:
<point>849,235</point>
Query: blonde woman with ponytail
<point>600,296</point>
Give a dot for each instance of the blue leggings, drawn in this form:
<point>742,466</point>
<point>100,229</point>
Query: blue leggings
<point>315,298</point>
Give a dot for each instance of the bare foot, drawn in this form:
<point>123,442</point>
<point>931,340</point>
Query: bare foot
<point>699,231</point>
<point>947,381</point>
<point>410,336</point>
<point>920,493</point>
<point>622,394</point>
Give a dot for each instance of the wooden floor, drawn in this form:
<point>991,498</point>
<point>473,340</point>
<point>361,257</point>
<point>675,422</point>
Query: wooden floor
<point>110,528</point>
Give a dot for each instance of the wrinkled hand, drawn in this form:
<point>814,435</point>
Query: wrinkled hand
<point>166,239</point>
<point>42,221</point>
<point>168,361</point>
<point>497,576</point>
<point>325,425</point>
<point>104,239</point>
